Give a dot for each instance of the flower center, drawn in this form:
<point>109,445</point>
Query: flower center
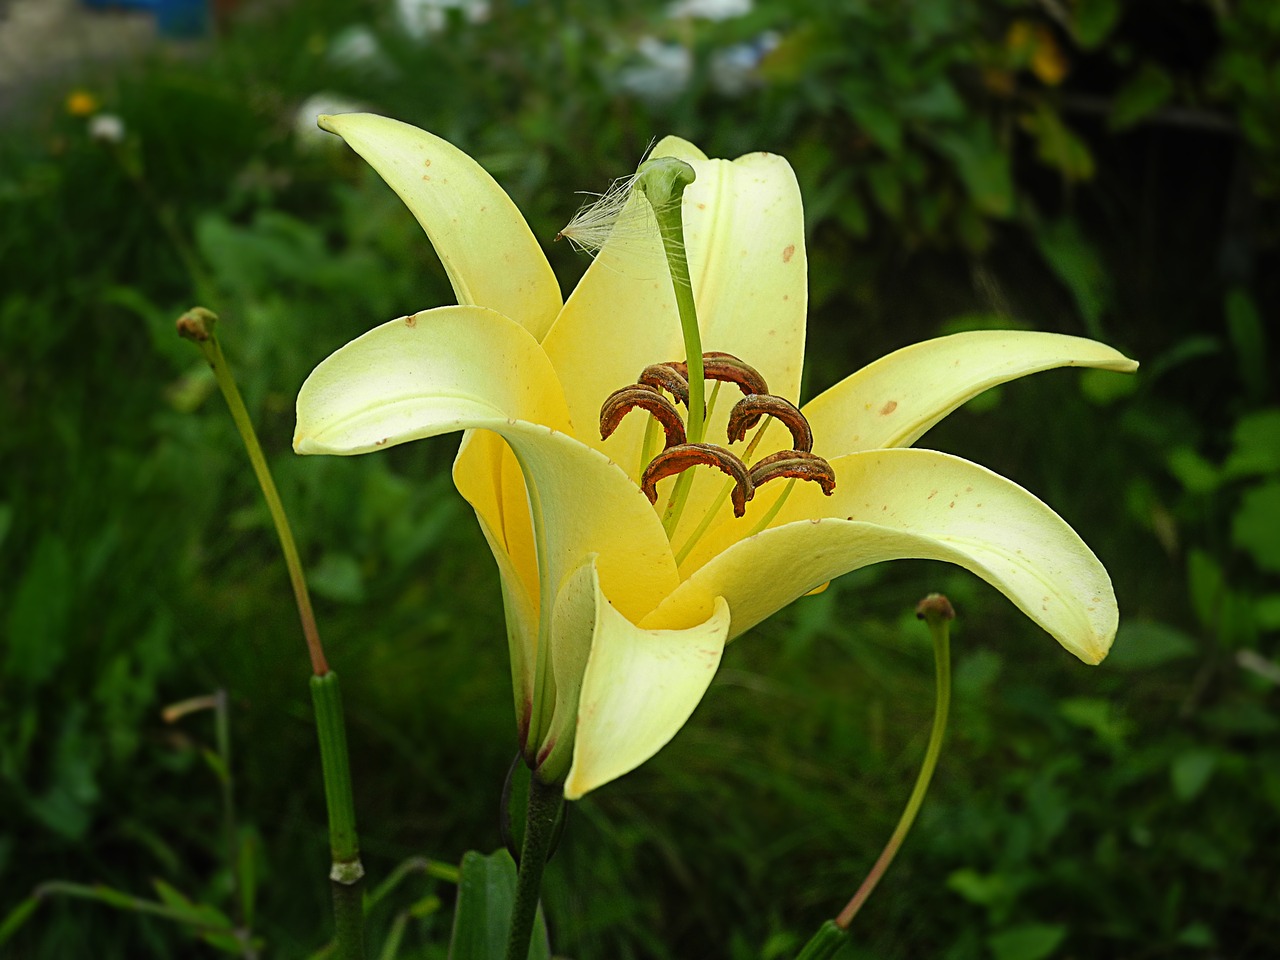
<point>650,393</point>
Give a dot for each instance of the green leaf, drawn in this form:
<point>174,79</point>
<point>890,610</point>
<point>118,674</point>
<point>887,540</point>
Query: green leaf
<point>1256,445</point>
<point>1266,611</point>
<point>1249,338</point>
<point>39,614</point>
<point>486,896</point>
<point>337,577</point>
<point>1255,527</point>
<point>1194,472</point>
<point>1094,20</point>
<point>1057,145</point>
<point>213,760</point>
<point>1103,387</point>
<point>17,917</point>
<point>1077,263</point>
<point>1145,644</point>
<point>879,122</point>
<point>1190,773</point>
<point>1032,941</point>
<point>1148,90</point>
<point>983,167</point>
<point>1098,716</point>
<point>1206,586</point>
<point>247,875</point>
<point>886,187</point>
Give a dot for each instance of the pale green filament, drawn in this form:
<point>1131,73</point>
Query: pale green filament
<point>680,493</point>
<point>646,446</point>
<point>710,515</point>
<point>773,511</point>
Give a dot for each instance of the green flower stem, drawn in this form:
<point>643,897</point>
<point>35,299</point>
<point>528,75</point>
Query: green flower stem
<point>326,697</point>
<point>824,943</point>
<point>545,801</point>
<point>348,920</point>
<point>222,734</point>
<point>937,612</point>
<point>346,875</point>
<point>197,325</point>
<point>346,872</point>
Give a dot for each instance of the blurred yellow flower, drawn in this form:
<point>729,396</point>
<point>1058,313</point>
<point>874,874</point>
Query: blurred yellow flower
<point>82,103</point>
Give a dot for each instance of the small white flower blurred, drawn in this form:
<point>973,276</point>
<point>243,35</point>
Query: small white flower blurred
<point>306,134</point>
<point>662,73</point>
<point>357,48</point>
<point>423,18</point>
<point>709,9</point>
<point>106,128</point>
<point>733,69</point>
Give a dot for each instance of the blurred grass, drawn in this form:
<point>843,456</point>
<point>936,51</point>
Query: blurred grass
<point>1124,811</point>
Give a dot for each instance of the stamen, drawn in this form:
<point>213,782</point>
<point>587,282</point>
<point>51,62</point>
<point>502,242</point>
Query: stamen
<point>677,459</point>
<point>796,464</point>
<point>621,402</point>
<point>747,412</point>
<point>668,378</point>
<point>729,369</point>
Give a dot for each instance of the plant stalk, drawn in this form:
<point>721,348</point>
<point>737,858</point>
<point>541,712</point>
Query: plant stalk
<point>937,612</point>
<point>545,802</point>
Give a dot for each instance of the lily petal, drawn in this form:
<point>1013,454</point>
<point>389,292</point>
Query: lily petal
<point>639,687</point>
<point>744,234</point>
<point>462,368</point>
<point>487,249</point>
<point>901,503</point>
<point>893,401</point>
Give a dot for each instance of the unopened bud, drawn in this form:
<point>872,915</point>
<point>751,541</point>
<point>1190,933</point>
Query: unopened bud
<point>197,324</point>
<point>935,608</point>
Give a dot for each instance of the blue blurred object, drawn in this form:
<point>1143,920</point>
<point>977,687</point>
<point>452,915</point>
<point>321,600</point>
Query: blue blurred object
<point>104,4</point>
<point>183,19</point>
<point>180,19</point>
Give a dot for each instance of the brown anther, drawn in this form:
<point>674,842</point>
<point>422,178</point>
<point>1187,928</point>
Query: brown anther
<point>746,413</point>
<point>668,378</point>
<point>729,369</point>
<point>675,460</point>
<point>796,464</point>
<point>621,402</point>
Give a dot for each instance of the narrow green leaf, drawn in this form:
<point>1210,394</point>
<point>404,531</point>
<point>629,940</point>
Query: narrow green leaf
<point>215,763</point>
<point>1147,90</point>
<point>486,896</point>
<point>1256,525</point>
<point>247,876</point>
<point>824,944</point>
<point>1249,338</point>
<point>17,917</point>
<point>1032,941</point>
<point>1094,20</point>
<point>39,609</point>
<point>1144,644</point>
<point>1190,773</point>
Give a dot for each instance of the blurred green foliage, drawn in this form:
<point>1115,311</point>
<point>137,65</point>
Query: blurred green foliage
<point>1094,167</point>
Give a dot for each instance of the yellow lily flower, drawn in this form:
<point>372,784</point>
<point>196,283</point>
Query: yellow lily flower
<point>615,628</point>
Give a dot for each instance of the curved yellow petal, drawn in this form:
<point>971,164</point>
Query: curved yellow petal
<point>434,372</point>
<point>744,231</point>
<point>893,401</point>
<point>678,147</point>
<point>463,368</point>
<point>487,249</point>
<point>900,503</point>
<point>638,690</point>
